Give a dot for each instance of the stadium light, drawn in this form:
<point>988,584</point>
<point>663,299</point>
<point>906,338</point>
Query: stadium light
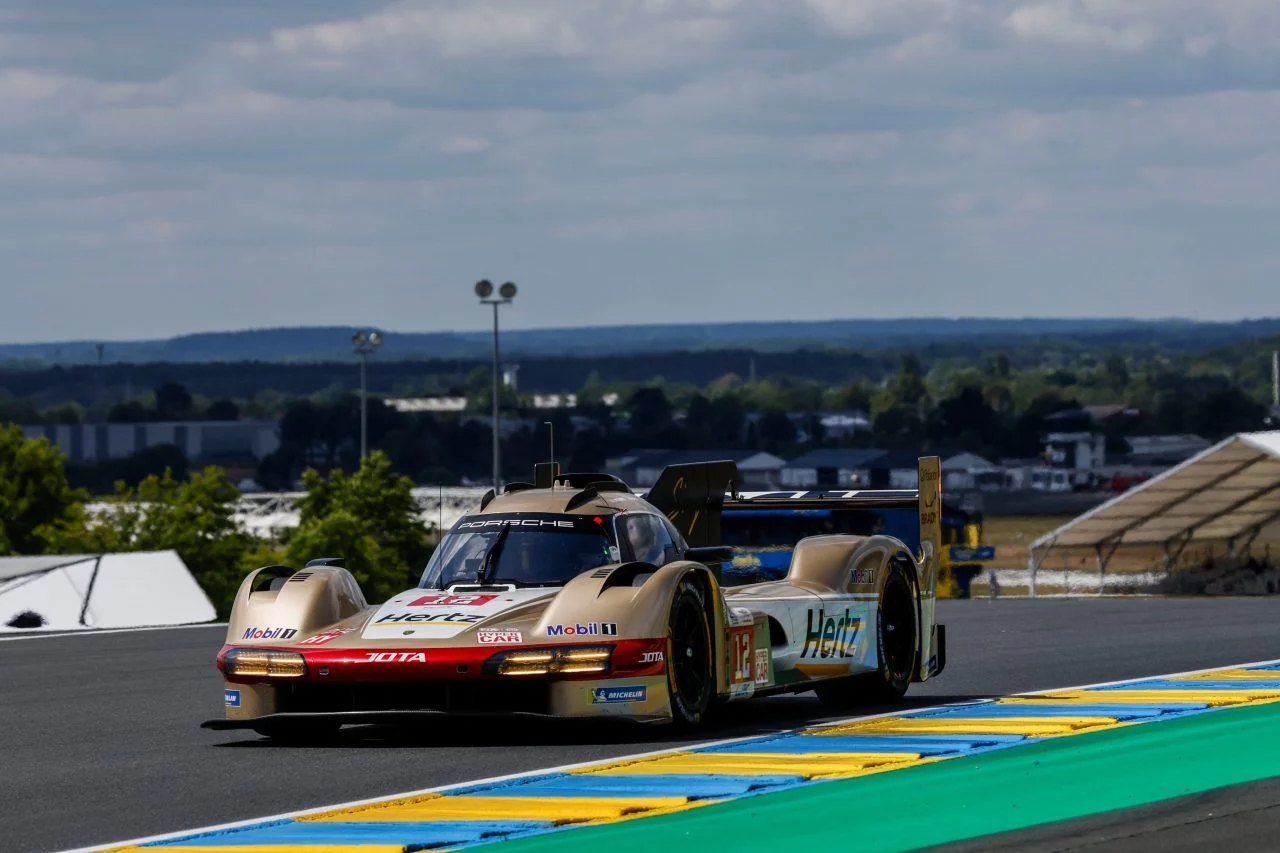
<point>364,343</point>
<point>484,290</point>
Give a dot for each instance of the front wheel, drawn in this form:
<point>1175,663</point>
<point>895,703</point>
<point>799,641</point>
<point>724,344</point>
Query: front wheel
<point>690,674</point>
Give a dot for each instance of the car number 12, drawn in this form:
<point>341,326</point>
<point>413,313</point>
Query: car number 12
<point>741,643</point>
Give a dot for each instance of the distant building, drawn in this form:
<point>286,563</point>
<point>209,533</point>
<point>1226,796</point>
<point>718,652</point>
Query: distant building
<point>1018,473</point>
<point>968,471</point>
<point>1079,450</point>
<point>828,468</point>
<point>427,404</point>
<point>844,424</point>
<point>641,468</point>
<point>442,405</point>
<point>1164,450</point>
<point>198,440</point>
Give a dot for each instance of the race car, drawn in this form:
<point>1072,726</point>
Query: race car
<point>573,596</point>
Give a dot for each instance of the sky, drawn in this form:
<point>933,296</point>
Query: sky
<point>175,166</point>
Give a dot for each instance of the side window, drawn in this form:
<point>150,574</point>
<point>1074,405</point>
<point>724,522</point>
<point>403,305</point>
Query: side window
<point>650,542</point>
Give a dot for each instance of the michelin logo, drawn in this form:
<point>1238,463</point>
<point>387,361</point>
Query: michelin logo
<point>609,695</point>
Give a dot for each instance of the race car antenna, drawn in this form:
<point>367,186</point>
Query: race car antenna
<point>551,438</point>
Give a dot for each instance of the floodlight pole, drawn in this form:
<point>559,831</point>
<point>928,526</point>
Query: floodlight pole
<point>497,472</point>
<point>484,290</point>
<point>364,407</point>
<point>363,344</point>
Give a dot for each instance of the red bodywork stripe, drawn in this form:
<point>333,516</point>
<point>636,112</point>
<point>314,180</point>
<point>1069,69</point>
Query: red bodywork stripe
<point>389,663</point>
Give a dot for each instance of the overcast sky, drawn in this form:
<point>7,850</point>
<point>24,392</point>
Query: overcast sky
<point>169,166</point>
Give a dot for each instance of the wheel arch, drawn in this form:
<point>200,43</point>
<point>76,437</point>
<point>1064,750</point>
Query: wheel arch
<point>904,560</point>
<point>300,601</point>
<point>717,618</point>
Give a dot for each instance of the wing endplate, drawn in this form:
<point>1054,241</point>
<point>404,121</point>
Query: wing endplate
<point>692,495</point>
<point>930,510</point>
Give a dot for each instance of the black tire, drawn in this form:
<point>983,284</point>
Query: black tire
<point>896,651</point>
<point>690,673</point>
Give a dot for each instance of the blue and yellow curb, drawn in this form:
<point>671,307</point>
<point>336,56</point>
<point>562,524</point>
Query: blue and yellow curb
<point>614,790</point>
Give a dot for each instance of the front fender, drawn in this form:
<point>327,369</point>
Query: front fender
<point>633,599</point>
<point>302,603</point>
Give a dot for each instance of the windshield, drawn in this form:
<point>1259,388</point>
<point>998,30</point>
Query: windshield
<point>524,549</point>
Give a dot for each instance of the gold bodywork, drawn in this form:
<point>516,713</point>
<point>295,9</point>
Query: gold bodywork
<point>818,622</point>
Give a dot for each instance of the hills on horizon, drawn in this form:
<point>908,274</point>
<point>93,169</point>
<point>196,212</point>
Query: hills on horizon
<point>333,343</point>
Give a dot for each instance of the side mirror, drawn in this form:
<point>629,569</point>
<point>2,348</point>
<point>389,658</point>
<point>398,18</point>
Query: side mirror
<point>710,554</point>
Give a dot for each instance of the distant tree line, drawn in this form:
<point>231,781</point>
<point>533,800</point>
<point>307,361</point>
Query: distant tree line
<point>990,412</point>
<point>994,403</point>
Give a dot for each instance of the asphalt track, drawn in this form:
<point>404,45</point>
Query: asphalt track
<point>100,739</point>
<point>1240,818</point>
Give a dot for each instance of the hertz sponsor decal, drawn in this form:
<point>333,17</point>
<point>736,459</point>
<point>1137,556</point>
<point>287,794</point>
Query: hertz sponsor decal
<point>405,618</point>
<point>831,637</point>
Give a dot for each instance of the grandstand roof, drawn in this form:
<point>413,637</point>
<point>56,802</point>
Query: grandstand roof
<point>1229,490</point>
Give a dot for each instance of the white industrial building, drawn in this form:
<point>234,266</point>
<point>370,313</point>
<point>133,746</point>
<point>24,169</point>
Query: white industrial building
<point>197,439</point>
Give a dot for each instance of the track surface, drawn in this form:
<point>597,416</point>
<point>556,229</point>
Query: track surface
<point>1238,818</point>
<point>101,743</point>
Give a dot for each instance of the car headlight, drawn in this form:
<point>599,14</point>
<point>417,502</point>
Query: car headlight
<point>562,660</point>
<point>264,663</point>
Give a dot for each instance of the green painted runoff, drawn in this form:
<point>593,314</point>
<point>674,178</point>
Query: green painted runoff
<point>963,798</point>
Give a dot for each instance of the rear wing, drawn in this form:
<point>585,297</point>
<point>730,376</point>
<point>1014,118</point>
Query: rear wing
<point>695,495</point>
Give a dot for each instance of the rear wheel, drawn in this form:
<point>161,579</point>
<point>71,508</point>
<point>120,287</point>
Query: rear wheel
<point>690,674</point>
<point>896,651</point>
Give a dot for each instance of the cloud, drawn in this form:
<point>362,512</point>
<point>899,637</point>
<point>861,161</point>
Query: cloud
<point>991,156</point>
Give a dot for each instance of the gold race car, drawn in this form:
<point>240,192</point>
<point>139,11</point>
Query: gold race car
<point>573,596</point>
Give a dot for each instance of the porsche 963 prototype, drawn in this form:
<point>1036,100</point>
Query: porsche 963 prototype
<point>575,596</point>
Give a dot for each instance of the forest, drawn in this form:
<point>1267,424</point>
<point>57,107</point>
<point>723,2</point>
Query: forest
<point>940,399</point>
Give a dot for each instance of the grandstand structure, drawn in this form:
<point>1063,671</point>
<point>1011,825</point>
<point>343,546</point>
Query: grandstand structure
<point>1228,493</point>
